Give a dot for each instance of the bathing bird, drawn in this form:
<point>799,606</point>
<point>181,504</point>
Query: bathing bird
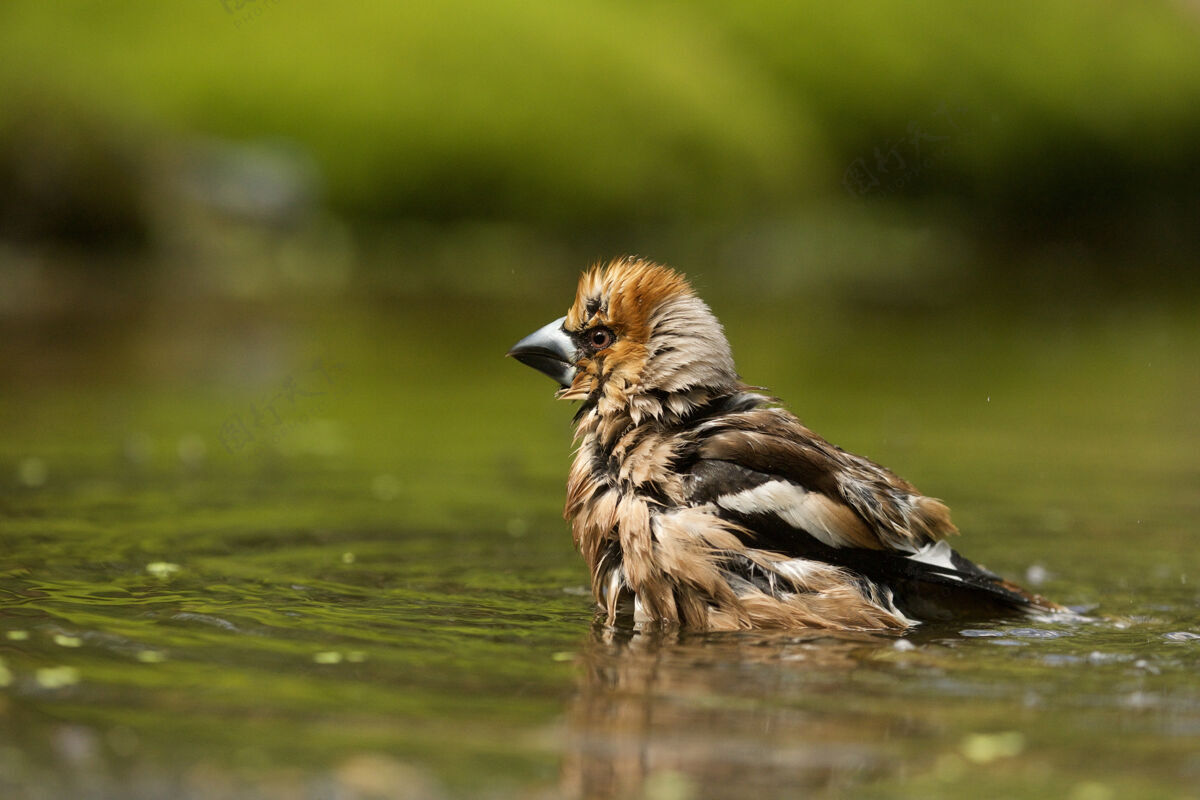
<point>699,501</point>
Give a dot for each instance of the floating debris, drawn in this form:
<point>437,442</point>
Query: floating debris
<point>984,748</point>
<point>17,636</point>
<point>1036,633</point>
<point>328,657</point>
<point>151,656</point>
<point>162,569</point>
<point>65,640</point>
<point>1181,636</point>
<point>56,677</point>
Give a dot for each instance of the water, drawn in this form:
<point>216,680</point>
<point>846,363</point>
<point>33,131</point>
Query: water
<point>315,551</point>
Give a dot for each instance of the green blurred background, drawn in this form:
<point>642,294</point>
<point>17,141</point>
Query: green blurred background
<point>273,502</point>
<point>1020,140</point>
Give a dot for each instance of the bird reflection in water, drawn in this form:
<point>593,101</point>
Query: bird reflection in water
<point>665,713</point>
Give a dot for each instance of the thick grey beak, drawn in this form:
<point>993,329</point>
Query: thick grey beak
<point>548,350</point>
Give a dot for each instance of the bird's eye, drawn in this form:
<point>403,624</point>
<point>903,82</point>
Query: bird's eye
<point>600,338</point>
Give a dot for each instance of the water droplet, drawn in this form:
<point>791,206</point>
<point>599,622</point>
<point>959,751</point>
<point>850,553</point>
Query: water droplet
<point>1036,575</point>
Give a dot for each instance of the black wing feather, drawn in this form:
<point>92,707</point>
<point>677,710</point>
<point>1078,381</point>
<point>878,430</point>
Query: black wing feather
<point>919,589</point>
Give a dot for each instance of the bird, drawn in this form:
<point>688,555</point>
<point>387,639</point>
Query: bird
<point>701,502</point>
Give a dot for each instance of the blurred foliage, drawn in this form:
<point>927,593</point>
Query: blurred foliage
<point>1036,115</point>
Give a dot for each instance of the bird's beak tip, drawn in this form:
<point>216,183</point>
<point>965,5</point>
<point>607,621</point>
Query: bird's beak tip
<point>549,350</point>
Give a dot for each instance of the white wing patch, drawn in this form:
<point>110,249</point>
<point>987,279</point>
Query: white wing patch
<point>794,505</point>
<point>803,571</point>
<point>937,554</point>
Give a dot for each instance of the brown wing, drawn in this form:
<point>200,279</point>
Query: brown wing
<point>794,494</point>
<point>850,496</point>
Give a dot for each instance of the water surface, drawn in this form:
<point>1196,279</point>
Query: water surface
<point>300,550</point>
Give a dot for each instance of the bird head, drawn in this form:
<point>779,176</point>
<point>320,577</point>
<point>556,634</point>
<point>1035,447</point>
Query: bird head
<point>635,331</point>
